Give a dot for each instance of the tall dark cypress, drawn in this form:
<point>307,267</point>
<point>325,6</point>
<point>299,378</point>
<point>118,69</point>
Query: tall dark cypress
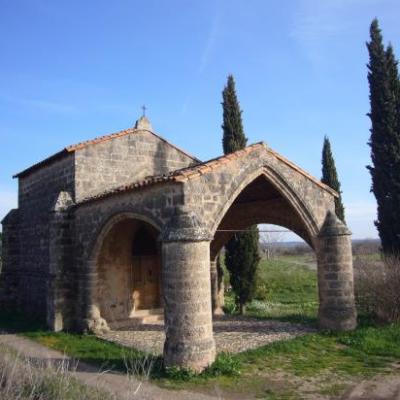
<point>241,252</point>
<point>233,134</point>
<point>330,176</point>
<point>385,139</point>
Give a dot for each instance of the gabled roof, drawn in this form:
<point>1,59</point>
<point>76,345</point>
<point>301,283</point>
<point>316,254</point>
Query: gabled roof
<point>187,173</point>
<point>71,149</point>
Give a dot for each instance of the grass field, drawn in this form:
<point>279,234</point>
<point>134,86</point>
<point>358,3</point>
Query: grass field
<point>322,364</point>
<point>287,289</point>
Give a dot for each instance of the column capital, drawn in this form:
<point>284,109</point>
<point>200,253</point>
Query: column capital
<point>185,226</point>
<point>333,226</point>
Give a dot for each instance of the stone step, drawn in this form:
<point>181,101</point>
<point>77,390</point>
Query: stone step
<point>151,311</point>
<point>140,317</point>
<point>149,319</point>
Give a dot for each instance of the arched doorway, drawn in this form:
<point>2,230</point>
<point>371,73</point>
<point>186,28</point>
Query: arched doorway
<point>128,270</point>
<point>259,202</point>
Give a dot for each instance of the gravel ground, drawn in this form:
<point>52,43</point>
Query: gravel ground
<point>232,334</point>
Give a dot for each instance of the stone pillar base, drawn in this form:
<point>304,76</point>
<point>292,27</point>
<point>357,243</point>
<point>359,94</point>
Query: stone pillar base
<point>337,318</point>
<point>187,302</point>
<point>337,310</point>
<point>94,323</point>
<point>191,355</point>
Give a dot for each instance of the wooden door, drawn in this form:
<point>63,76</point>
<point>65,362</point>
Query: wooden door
<point>145,282</point>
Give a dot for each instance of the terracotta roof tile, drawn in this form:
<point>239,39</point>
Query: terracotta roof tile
<point>70,149</point>
<point>185,174</point>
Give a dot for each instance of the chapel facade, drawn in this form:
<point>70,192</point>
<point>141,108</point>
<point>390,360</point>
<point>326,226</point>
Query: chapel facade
<point>128,226</point>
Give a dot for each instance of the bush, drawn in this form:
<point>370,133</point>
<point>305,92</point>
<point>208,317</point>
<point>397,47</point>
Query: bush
<point>377,288</point>
<point>230,306</point>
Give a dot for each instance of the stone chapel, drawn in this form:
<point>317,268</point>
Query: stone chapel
<point>127,226</point>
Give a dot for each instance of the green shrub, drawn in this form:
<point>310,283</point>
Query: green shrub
<point>230,306</point>
<point>225,364</point>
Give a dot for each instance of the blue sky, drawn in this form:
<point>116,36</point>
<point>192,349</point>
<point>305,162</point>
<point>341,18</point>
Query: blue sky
<point>73,70</point>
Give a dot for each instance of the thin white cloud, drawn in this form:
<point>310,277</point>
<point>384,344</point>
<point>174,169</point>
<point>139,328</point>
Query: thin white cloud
<point>211,39</point>
<point>185,105</point>
<point>315,23</point>
<point>206,52</point>
<point>50,106</point>
<point>41,105</point>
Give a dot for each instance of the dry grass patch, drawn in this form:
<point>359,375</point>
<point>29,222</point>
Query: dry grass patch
<point>24,379</point>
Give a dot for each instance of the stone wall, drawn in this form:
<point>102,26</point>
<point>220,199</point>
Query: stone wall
<point>9,277</point>
<point>211,193</point>
<point>38,192</point>
<point>93,220</point>
<point>124,160</point>
<point>88,171</point>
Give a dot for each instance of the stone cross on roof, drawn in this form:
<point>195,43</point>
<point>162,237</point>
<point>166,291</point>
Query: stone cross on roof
<point>143,122</point>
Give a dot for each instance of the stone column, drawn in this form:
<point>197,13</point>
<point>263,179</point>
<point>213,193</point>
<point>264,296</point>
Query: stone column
<point>337,309</point>
<point>217,289</point>
<point>60,261</point>
<point>187,294</point>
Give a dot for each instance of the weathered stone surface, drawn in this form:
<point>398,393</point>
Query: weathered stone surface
<point>337,309</point>
<point>68,248</point>
<point>188,324</point>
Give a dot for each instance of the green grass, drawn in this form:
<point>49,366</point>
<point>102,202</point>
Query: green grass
<point>289,292</point>
<point>286,290</point>
<point>288,282</point>
<point>111,356</point>
<point>93,350</point>
<point>342,357</point>
<point>362,353</point>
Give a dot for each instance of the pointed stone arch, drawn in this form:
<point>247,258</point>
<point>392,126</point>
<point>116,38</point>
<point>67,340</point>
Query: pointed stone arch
<point>281,186</point>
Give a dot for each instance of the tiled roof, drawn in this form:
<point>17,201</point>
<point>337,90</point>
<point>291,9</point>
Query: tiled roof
<point>185,174</point>
<point>100,139</point>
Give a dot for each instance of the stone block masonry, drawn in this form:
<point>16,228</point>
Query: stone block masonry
<point>72,204</point>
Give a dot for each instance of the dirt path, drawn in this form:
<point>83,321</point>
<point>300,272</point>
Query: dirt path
<point>378,388</point>
<point>122,386</point>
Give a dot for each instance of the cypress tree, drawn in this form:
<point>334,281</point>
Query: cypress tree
<point>241,252</point>
<point>330,176</point>
<point>241,259</point>
<point>385,139</point>
<point>233,134</point>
